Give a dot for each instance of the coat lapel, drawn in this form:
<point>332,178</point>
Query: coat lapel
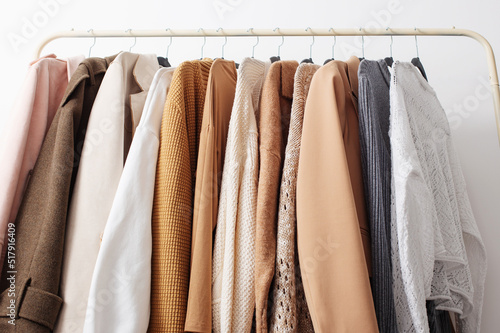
<point>143,72</point>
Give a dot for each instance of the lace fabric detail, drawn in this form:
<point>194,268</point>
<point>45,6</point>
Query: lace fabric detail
<point>437,250</point>
<point>289,311</point>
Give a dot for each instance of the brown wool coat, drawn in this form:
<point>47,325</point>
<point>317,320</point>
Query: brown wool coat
<point>41,221</point>
<point>274,121</point>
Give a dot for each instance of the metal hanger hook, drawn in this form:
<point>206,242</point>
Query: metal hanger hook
<point>135,40</point>
<point>391,45</point>
<point>416,42</point>
<point>279,46</point>
<point>362,44</point>
<point>311,46</point>
<point>253,48</point>
<point>334,43</point>
<point>223,45</point>
<point>282,41</point>
<point>90,49</point>
<point>168,47</point>
<point>204,42</point>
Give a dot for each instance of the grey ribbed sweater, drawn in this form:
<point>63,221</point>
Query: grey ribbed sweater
<point>374,111</point>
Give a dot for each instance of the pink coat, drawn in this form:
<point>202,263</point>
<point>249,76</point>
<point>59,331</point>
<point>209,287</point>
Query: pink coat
<point>36,105</point>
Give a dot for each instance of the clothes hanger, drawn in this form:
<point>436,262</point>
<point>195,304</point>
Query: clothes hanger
<point>204,42</point>
<point>389,60</point>
<point>362,47</point>
<point>90,49</point>
<point>223,46</point>
<point>309,61</point>
<point>277,58</point>
<point>253,48</point>
<point>416,61</point>
<point>333,49</point>
<point>164,61</point>
<point>135,40</point>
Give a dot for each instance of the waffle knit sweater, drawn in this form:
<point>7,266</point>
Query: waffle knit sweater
<point>233,293</point>
<point>289,312</point>
<point>173,196</point>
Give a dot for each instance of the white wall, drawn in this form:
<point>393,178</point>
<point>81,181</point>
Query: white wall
<point>456,67</point>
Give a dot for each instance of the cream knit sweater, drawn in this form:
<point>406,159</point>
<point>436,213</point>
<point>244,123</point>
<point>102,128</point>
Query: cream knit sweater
<point>437,250</point>
<point>233,294</point>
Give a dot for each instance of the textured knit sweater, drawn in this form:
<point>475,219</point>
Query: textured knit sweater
<point>374,110</point>
<point>274,122</point>
<point>173,196</point>
<point>437,249</point>
<point>233,293</point>
<point>289,312</point>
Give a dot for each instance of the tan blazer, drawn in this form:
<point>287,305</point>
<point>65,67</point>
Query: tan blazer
<point>41,222</point>
<point>216,114</point>
<point>332,231</point>
<point>274,122</point>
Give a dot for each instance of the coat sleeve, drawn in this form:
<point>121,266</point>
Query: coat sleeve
<point>331,255</point>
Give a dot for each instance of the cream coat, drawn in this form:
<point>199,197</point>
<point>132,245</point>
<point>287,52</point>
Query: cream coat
<point>125,255</point>
<point>118,106</point>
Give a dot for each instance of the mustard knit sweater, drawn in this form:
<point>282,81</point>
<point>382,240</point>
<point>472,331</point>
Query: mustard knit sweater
<point>173,196</point>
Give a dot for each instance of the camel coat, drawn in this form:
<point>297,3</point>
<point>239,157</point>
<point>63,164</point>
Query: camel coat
<point>41,222</point>
<point>332,231</point>
<point>216,114</point>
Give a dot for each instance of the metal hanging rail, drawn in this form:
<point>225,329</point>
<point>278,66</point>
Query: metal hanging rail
<point>490,57</point>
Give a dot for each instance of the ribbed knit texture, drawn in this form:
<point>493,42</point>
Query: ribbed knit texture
<point>374,111</point>
<point>437,250</point>
<point>173,196</point>
<point>289,311</point>
<point>233,294</point>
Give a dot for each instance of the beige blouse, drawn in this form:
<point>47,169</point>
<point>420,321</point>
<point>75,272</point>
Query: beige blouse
<point>217,112</point>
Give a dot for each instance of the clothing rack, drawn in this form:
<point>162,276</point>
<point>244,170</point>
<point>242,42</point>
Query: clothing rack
<point>490,57</point>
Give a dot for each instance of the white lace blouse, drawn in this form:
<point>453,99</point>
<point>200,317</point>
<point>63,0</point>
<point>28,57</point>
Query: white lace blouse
<point>437,251</point>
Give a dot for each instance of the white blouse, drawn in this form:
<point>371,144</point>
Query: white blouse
<point>121,284</point>
<point>437,250</point>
